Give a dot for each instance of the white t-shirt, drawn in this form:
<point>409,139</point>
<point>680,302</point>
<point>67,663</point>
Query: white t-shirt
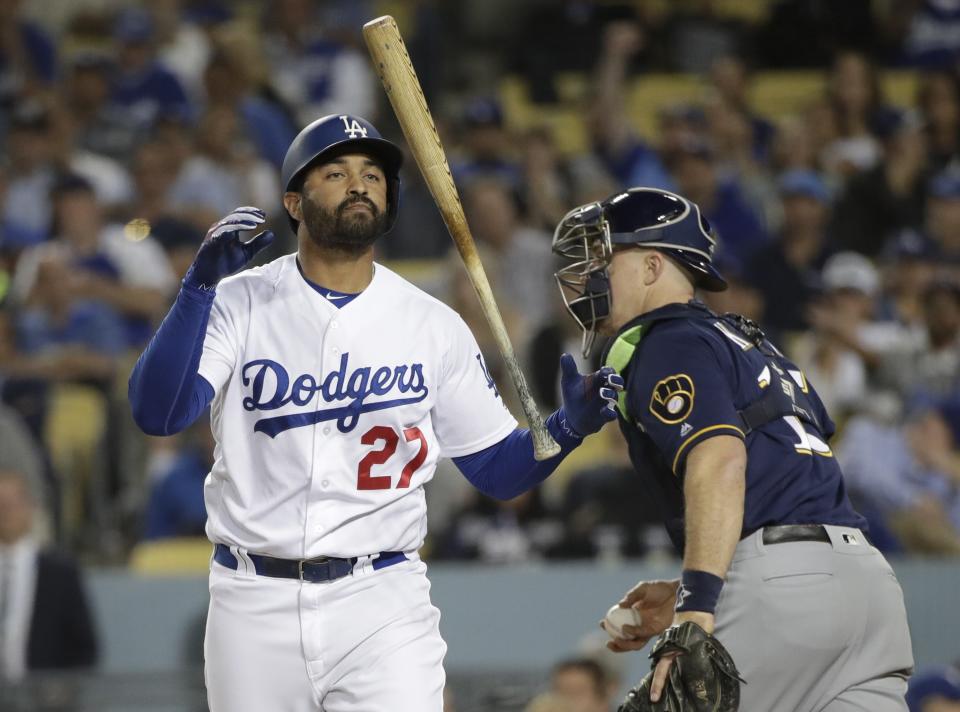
<point>329,421</point>
<point>141,263</point>
<point>18,580</point>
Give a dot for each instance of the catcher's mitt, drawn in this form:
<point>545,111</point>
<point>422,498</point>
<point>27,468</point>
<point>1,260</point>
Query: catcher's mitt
<point>702,678</point>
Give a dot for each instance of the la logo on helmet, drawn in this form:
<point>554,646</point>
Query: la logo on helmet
<point>352,128</point>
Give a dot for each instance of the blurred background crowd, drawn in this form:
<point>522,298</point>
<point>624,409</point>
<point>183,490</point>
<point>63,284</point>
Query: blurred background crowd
<point>821,140</point>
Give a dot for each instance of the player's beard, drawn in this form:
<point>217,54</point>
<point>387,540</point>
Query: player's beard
<point>352,232</point>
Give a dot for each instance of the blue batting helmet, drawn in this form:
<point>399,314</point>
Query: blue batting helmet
<point>337,134</point>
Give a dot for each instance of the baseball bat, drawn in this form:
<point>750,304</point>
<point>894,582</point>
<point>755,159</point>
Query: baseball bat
<point>392,63</point>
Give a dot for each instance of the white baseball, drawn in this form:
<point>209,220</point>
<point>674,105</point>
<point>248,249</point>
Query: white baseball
<point>618,617</point>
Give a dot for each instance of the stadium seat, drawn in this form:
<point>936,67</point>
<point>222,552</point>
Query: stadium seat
<point>164,557</point>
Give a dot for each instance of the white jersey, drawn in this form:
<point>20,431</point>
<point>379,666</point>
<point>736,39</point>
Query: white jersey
<point>329,421</point>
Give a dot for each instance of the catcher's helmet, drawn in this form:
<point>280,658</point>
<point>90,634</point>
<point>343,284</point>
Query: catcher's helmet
<point>641,217</point>
<point>668,222</point>
<point>330,135</point>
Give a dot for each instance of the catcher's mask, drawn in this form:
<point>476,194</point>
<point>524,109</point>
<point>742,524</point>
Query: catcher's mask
<point>639,217</point>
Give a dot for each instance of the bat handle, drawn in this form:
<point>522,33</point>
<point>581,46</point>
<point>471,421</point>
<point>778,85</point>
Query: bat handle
<point>544,446</point>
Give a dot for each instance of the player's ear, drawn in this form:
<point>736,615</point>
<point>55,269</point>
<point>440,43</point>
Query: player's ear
<point>653,264</point>
<point>291,201</point>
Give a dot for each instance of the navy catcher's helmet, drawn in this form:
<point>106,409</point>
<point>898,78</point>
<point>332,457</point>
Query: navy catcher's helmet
<point>641,217</point>
<point>330,135</point>
<point>670,223</point>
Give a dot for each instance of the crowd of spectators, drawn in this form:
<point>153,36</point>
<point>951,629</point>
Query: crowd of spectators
<point>129,128</point>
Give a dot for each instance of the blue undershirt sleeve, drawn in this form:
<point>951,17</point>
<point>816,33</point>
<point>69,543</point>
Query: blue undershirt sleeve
<point>166,391</point>
<point>507,469</point>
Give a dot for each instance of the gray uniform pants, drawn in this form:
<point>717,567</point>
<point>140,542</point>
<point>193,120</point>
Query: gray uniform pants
<point>816,627</point>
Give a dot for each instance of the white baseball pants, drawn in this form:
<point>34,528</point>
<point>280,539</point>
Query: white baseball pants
<point>368,642</point>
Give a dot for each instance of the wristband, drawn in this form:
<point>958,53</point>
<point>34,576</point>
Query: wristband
<point>562,430</point>
<point>698,591</point>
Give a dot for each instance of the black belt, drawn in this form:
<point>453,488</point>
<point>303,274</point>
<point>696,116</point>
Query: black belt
<point>784,533</point>
<point>310,570</point>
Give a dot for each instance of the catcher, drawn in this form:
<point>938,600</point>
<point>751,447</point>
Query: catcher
<point>732,442</point>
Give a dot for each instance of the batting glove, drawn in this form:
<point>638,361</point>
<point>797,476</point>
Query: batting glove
<point>590,401</point>
<point>222,252</point>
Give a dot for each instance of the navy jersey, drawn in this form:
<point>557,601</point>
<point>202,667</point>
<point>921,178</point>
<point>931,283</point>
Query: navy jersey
<point>691,375</point>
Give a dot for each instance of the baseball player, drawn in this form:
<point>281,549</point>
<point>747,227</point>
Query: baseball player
<point>732,442</point>
<point>334,387</point>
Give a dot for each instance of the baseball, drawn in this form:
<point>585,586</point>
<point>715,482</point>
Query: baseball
<point>618,617</point>
<point>136,230</point>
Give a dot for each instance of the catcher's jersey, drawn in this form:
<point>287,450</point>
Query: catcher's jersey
<point>691,377</point>
<point>329,421</point>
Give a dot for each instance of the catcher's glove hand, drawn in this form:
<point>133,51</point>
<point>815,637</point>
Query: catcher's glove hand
<point>702,678</point>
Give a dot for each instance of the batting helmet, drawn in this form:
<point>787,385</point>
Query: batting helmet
<point>641,217</point>
<point>337,134</point>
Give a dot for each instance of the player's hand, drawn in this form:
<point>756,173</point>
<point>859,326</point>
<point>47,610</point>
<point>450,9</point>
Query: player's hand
<point>705,621</point>
<point>589,401</point>
<point>222,252</point>
<point>655,601</point>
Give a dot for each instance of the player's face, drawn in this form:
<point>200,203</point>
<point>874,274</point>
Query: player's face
<point>78,214</point>
<point>628,285</point>
<point>579,689</point>
<point>344,203</point>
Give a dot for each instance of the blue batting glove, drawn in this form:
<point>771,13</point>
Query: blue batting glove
<point>222,253</point>
<point>590,401</point>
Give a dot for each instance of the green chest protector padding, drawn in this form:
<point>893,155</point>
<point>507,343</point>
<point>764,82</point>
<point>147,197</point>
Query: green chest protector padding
<point>618,358</point>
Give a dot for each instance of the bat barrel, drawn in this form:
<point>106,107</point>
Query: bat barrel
<point>392,64</point>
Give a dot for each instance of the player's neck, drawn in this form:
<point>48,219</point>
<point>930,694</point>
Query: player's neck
<point>668,294</point>
<point>336,269</point>
<point>635,304</point>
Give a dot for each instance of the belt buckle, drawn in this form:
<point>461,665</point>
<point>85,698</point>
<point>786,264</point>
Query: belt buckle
<point>318,560</point>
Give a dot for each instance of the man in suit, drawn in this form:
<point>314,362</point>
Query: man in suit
<point>45,622</point>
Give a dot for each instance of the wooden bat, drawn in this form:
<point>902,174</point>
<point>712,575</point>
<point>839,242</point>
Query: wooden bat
<point>393,65</point>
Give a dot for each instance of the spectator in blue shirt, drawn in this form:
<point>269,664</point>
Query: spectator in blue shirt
<point>486,146</point>
<point>943,213</point>
<point>107,264</point>
<point>905,477</point>
<point>787,271</point>
<point>28,58</point>
<point>101,126</point>
<point>53,319</point>
<point>30,149</point>
<point>938,100</point>
<point>730,77</point>
<point>931,32</point>
<point>630,159</point>
<point>935,690</point>
<point>315,74</point>
<point>265,125</point>
<point>721,200</point>
<point>176,507</point>
<point>55,336</point>
<point>142,85</point>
